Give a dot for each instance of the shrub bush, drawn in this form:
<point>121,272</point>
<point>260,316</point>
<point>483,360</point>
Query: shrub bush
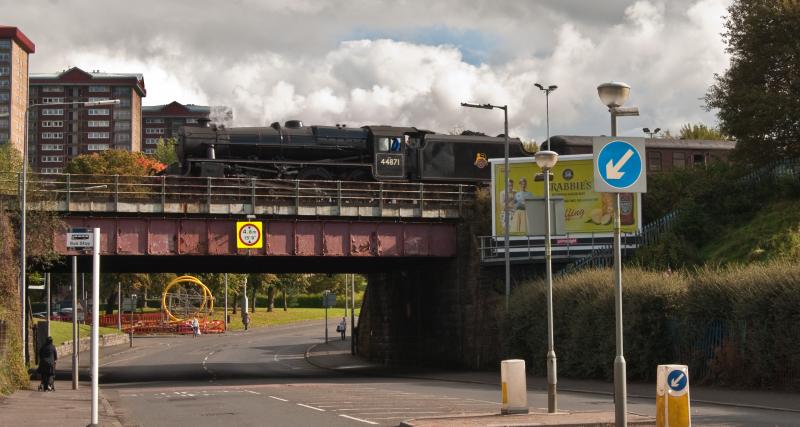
<point>733,326</point>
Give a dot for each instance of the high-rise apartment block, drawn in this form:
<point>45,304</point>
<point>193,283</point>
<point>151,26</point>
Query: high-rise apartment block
<point>62,131</point>
<point>14,50</point>
<point>164,121</point>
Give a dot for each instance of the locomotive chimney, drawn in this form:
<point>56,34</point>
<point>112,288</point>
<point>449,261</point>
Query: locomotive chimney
<point>293,124</point>
<point>203,122</point>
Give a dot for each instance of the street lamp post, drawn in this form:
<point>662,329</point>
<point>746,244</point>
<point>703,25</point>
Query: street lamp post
<point>614,95</point>
<point>546,161</point>
<point>22,204</point>
<point>505,214</point>
<point>547,91</point>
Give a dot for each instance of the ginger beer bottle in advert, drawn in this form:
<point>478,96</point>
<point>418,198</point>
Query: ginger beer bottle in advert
<point>626,209</point>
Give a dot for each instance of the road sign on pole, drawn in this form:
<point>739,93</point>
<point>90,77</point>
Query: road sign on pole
<point>79,238</point>
<point>619,165</point>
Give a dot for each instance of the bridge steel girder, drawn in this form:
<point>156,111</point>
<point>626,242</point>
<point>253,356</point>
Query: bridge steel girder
<point>132,237</point>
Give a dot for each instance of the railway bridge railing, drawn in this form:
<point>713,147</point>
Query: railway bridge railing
<point>71,193</point>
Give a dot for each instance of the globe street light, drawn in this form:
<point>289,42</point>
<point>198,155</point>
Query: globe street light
<point>614,95</point>
<point>546,160</point>
<point>505,214</point>
<point>23,197</point>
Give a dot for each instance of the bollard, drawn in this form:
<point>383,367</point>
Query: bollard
<point>513,388</point>
<point>672,396</point>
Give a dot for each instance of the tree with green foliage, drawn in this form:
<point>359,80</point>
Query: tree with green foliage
<point>700,131</point>
<point>114,162</point>
<point>165,151</point>
<point>291,284</point>
<point>259,282</point>
<point>758,97</point>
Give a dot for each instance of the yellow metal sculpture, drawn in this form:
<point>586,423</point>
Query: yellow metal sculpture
<point>186,297</point>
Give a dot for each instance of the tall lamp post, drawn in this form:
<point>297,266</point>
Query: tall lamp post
<point>614,95</point>
<point>22,203</point>
<point>505,181</point>
<point>547,91</point>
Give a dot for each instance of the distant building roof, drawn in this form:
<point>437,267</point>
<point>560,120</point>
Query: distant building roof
<point>689,144</point>
<point>175,108</point>
<point>15,33</point>
<point>76,75</point>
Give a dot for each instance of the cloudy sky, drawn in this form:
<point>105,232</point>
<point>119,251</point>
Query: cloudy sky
<point>402,62</point>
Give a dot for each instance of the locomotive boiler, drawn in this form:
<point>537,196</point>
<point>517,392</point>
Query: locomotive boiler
<point>382,153</point>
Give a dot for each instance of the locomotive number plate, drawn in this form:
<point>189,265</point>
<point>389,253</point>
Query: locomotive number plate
<point>390,165</point>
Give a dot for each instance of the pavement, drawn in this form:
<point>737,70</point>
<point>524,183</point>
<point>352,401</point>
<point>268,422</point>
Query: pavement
<point>64,407</point>
<point>335,355</point>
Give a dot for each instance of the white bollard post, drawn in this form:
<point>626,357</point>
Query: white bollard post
<point>672,396</point>
<point>514,390</point>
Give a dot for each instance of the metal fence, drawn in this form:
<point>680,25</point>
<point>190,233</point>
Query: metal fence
<point>165,194</point>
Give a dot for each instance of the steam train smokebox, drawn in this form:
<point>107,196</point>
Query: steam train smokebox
<point>195,141</point>
<point>462,157</point>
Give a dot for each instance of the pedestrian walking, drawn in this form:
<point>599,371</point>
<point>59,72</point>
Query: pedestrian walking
<point>342,327</point>
<point>246,319</point>
<point>195,327</point>
<point>47,365</point>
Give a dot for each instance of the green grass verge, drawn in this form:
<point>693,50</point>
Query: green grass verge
<point>262,318</point>
<point>62,331</point>
<point>773,233</point>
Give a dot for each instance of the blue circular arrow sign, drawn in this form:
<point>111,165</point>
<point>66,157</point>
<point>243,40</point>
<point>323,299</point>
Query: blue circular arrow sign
<point>619,164</point>
<point>676,380</point>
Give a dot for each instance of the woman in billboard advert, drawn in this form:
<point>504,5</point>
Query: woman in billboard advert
<point>519,219</point>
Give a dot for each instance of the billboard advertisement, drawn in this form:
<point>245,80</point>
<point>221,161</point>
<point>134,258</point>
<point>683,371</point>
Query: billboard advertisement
<point>585,211</point>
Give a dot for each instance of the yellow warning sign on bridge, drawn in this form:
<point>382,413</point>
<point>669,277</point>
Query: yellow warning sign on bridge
<point>249,235</point>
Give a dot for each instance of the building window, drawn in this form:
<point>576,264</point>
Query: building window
<point>52,100</point>
<point>52,147</point>
<point>99,89</point>
<point>5,71</point>
<point>52,159</point>
<point>122,137</point>
<point>5,44</point>
<point>654,161</point>
<point>121,91</point>
<point>191,121</point>
<point>3,123</point>
<point>5,56</point>
<point>122,114</point>
<point>151,141</point>
<point>51,170</point>
<point>97,147</point>
<point>153,121</point>
<point>4,96</point>
<point>52,135</point>
<point>154,131</point>
<point>99,123</point>
<point>122,126</point>
<point>99,135</point>
<point>98,98</point>
<point>52,89</point>
<point>52,123</point>
<point>4,83</point>
<point>3,109</point>
<point>53,112</point>
<point>149,150</point>
<point>698,160</point>
<point>99,111</point>
<point>678,160</point>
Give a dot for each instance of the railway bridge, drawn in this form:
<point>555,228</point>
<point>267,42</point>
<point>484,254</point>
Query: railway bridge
<point>415,243</point>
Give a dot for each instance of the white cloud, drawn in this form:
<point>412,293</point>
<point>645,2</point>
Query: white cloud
<point>274,61</point>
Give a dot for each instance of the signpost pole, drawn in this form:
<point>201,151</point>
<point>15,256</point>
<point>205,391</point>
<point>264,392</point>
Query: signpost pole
<point>620,387</point>
<point>95,323</point>
<point>49,310</point>
<point>119,306</point>
<point>225,317</point>
<point>75,344</point>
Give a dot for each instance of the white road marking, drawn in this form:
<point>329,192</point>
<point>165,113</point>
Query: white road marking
<point>311,407</point>
<point>278,398</point>
<point>357,419</point>
<point>253,392</point>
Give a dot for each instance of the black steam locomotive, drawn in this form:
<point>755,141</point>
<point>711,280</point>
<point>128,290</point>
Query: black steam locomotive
<point>382,153</point>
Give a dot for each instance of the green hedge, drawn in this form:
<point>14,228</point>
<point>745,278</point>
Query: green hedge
<point>304,301</point>
<point>735,326</point>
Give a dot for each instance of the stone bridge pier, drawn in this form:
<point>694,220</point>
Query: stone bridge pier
<point>440,314</point>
